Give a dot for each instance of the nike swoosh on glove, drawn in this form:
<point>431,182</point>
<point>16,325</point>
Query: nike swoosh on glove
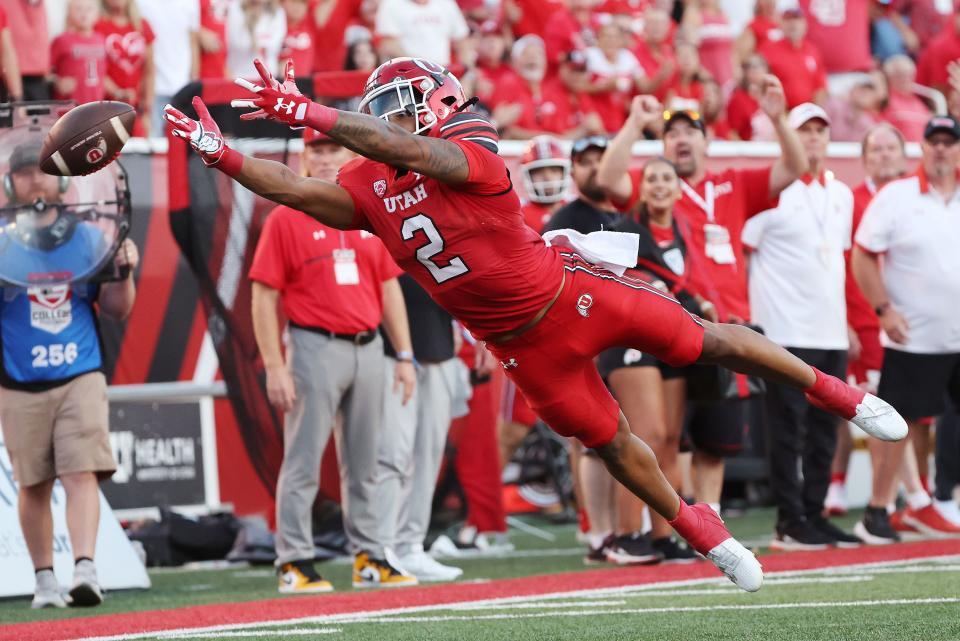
<point>203,135</point>
<point>283,102</point>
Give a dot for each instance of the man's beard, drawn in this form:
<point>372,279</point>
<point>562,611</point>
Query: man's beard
<point>592,192</point>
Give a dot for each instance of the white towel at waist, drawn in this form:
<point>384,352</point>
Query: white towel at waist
<point>615,251</point>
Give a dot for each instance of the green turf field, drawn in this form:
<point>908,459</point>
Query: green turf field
<point>899,601</point>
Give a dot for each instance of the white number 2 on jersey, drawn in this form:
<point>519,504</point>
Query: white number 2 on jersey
<point>422,222</point>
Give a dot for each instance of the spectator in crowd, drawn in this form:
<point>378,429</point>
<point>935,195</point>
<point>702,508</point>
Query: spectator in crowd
<point>762,29</point>
<point>11,90</point>
<point>713,210</point>
<point>530,16</point>
<point>255,29</point>
<point>360,56</point>
<point>890,34</point>
<point>212,39</point>
<point>808,231</point>
<point>926,18</point>
<point>429,29</point>
<point>53,411</point>
<point>530,102</point>
<point>796,61</point>
<point>744,115</point>
<point>712,108</point>
<point>884,160</point>
<point>655,51</point>
<point>491,66</point>
<point>686,90</point>
<point>591,210</point>
<point>648,389</point>
<point>335,287</point>
<point>912,223</point>
<point>298,44</point>
<point>331,21</point>
<point>129,44</point>
<point>840,31</point>
<point>78,56</point>
<point>937,54</point>
<point>569,28</point>
<point>176,53</point>
<point>615,75</point>
<point>27,22</point>
<point>852,116</point>
<point>705,25</point>
<point>905,110</point>
<point>415,433</point>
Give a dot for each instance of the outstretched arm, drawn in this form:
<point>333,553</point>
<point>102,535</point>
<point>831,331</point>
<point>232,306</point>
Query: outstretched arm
<point>368,136</point>
<point>612,174</point>
<point>793,159</point>
<point>324,201</point>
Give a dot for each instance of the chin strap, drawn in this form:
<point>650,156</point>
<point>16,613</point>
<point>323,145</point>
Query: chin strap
<point>469,103</point>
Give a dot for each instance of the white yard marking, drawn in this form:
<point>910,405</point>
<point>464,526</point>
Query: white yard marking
<point>598,593</point>
<point>539,605</point>
<point>295,632</point>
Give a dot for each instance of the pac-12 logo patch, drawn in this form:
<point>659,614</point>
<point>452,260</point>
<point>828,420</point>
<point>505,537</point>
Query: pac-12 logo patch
<point>50,308</point>
<point>380,187</point>
<point>584,303</point>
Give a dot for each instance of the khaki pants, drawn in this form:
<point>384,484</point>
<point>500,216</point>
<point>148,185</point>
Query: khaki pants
<point>58,431</point>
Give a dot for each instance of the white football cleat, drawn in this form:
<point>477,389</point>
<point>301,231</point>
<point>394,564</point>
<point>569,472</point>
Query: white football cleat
<point>877,418</point>
<point>738,564</point>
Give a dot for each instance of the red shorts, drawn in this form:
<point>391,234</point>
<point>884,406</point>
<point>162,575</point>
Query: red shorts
<point>865,371</point>
<point>552,363</point>
<point>514,408</point>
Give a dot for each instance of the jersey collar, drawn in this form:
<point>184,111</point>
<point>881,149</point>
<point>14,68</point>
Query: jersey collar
<point>807,179</point>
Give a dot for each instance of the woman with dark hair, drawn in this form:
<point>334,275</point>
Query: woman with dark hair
<point>651,393</point>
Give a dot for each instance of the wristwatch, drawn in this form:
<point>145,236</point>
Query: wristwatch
<point>405,356</point>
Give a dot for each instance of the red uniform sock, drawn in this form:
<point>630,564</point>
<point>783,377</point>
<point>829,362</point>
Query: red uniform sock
<point>839,477</point>
<point>831,394</point>
<point>702,528</point>
<point>925,483</point>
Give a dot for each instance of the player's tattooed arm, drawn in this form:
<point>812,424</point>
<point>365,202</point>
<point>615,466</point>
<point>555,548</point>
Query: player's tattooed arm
<point>389,143</point>
<point>324,201</point>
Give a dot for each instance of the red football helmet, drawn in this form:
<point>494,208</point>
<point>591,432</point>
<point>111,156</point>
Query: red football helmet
<point>543,152</point>
<point>415,87</point>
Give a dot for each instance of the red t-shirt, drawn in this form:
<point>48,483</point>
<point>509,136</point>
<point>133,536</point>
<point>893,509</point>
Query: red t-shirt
<point>682,95</point>
<point>331,55</point>
<point>213,17</point>
<point>764,30</point>
<point>83,58</point>
<point>327,278</point>
<point>126,52</point>
<point>651,64</point>
<point>298,45</point>
<point>3,19</point>
<point>740,112</point>
<point>27,22</point>
<point>467,245</point>
<point>536,215</point>
<point>800,69</point>
<point>738,195</point>
<point>840,30</point>
<point>932,65</point>
<point>562,34</point>
<point>860,314</point>
<point>534,15</point>
<point>663,236</point>
<point>907,113</point>
<point>489,78</point>
<point>553,111</point>
<point>716,47</point>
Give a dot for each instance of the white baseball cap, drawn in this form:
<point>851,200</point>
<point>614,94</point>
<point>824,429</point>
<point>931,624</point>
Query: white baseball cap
<point>805,112</point>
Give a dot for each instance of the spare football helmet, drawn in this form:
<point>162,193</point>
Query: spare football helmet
<point>413,87</point>
<point>542,152</point>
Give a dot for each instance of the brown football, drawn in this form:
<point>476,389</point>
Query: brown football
<point>87,138</point>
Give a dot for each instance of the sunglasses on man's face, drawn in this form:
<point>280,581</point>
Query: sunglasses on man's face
<point>581,145</point>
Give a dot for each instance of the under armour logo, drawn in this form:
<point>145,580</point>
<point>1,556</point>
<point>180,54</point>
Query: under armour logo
<point>584,303</point>
<point>511,364</point>
<point>281,105</point>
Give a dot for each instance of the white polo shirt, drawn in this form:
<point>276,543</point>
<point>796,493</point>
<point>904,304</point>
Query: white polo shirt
<point>797,271</point>
<point>919,236</point>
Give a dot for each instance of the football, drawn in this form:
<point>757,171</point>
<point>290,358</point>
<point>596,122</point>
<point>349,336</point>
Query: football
<point>87,138</point>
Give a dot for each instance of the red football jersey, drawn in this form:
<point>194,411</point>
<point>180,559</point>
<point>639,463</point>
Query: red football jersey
<point>83,58</point>
<point>467,245</point>
<point>126,52</point>
<point>536,215</point>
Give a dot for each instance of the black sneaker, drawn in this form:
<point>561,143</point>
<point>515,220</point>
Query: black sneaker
<point>597,555</point>
<point>672,551</point>
<point>632,549</point>
<point>875,528</point>
<point>799,535</point>
<point>840,538</point>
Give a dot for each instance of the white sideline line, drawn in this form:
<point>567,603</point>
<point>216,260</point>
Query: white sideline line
<point>545,605</point>
<point>570,594</point>
<point>711,608</point>
<point>296,632</point>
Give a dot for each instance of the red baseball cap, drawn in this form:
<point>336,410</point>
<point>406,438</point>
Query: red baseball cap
<point>311,136</point>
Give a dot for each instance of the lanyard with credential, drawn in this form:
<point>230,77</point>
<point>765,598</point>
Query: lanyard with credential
<point>706,203</point>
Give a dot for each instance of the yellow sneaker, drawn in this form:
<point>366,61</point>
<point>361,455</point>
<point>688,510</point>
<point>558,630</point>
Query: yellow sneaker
<point>369,572</point>
<point>299,577</point>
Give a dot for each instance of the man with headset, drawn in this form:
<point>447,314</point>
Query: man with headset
<point>53,404</point>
